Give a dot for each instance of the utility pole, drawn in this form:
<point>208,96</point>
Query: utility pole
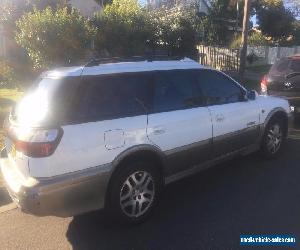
<point>244,38</point>
<point>237,19</point>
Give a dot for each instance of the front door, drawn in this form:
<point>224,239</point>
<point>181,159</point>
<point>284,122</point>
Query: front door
<point>178,123</point>
<point>235,119</point>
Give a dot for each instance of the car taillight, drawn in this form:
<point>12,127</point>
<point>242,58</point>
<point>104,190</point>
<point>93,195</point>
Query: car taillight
<point>264,85</point>
<point>35,142</point>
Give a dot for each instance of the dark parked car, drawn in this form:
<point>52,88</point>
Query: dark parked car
<point>283,80</point>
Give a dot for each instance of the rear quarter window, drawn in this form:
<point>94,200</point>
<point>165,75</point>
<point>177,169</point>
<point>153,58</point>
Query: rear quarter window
<point>53,96</point>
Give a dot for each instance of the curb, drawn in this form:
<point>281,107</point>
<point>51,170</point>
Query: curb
<point>8,207</point>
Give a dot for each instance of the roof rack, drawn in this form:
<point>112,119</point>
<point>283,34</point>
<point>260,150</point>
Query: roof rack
<point>98,61</point>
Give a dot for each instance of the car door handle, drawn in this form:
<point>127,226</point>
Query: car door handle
<point>159,130</point>
<point>220,118</point>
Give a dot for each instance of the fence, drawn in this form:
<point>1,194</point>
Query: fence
<point>2,43</point>
<point>220,58</point>
<point>269,55</point>
<point>2,47</point>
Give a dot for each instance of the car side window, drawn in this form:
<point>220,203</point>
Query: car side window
<point>113,96</point>
<point>175,90</point>
<point>217,88</point>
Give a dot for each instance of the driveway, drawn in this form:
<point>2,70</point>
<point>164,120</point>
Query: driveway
<point>206,211</point>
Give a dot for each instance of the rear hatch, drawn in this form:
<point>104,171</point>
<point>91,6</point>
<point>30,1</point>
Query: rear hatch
<point>33,130</point>
<point>287,87</point>
<point>284,79</point>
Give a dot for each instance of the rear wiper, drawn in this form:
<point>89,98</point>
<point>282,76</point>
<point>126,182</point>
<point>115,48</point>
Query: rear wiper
<point>292,75</point>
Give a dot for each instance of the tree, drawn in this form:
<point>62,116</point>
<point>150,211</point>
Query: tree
<point>176,30</point>
<point>103,3</point>
<point>7,76</point>
<point>11,11</point>
<point>54,37</point>
<point>123,29</point>
<point>245,31</point>
<point>220,23</point>
<point>274,19</point>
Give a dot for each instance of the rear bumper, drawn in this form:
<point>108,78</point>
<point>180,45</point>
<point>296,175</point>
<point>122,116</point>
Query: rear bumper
<point>62,196</point>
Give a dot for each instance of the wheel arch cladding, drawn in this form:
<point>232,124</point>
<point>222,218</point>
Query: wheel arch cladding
<point>140,153</point>
<point>279,114</point>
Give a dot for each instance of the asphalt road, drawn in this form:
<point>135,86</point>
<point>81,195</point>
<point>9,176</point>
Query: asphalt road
<point>206,211</point>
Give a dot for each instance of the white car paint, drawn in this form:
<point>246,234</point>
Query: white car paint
<point>85,146</point>
<point>228,118</point>
<point>170,130</point>
<point>269,103</point>
<point>121,67</point>
<point>97,143</point>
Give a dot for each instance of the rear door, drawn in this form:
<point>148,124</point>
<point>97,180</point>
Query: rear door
<point>46,102</point>
<point>235,120</point>
<point>178,122</point>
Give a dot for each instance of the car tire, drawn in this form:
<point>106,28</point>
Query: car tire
<point>273,138</point>
<point>134,192</point>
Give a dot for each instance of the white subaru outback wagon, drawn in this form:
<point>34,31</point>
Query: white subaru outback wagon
<point>111,135</point>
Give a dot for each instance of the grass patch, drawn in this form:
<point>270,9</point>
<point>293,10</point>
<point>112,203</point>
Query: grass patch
<point>11,94</point>
<point>7,99</point>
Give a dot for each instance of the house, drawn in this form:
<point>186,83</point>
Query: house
<point>203,5</point>
<point>87,7</point>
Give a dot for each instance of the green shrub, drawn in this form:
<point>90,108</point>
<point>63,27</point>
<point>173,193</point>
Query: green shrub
<point>175,29</point>
<point>123,28</point>
<point>7,75</point>
<point>54,37</point>
<point>254,39</point>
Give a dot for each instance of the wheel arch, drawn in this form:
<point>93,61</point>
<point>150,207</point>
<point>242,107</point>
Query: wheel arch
<point>145,152</point>
<point>280,113</point>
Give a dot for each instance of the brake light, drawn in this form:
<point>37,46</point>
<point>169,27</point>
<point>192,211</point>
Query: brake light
<point>36,142</point>
<point>264,85</point>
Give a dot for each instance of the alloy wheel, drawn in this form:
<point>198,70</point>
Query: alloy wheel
<point>274,138</point>
<point>137,194</point>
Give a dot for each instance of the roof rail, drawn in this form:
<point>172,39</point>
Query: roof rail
<point>98,61</point>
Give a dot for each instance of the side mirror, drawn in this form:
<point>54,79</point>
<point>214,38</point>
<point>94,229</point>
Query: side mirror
<point>251,95</point>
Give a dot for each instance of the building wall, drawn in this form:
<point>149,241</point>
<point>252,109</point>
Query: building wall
<point>87,7</point>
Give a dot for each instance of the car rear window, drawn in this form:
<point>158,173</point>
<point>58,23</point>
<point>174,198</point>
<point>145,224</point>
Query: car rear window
<point>280,66</point>
<point>46,101</point>
<point>295,65</point>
